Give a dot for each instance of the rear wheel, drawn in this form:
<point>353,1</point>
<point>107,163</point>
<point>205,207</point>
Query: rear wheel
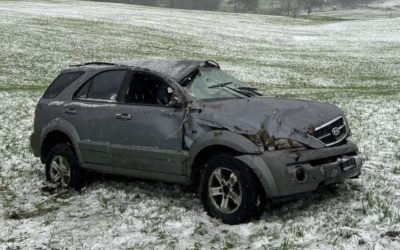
<point>62,167</point>
<point>230,191</point>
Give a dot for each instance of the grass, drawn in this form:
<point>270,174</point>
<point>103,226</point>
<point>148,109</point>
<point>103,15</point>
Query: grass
<point>321,18</point>
<point>351,64</point>
<point>126,36</point>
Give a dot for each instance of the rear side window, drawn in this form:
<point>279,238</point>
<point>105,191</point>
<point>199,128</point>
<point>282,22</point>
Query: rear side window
<point>103,86</point>
<point>60,83</point>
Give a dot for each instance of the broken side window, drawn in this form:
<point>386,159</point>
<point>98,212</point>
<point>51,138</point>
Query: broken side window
<point>146,88</point>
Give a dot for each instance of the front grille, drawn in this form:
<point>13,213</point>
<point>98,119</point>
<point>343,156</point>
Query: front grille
<point>331,132</point>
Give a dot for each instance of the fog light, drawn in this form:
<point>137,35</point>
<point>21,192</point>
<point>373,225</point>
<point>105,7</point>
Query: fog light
<point>301,174</point>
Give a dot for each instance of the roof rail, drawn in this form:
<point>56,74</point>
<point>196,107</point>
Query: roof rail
<point>92,63</point>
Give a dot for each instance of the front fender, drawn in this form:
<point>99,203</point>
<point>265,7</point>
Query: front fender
<point>225,138</point>
<point>263,173</point>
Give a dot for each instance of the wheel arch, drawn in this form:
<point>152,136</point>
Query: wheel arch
<point>218,142</point>
<point>58,131</point>
<point>223,138</point>
<point>222,141</point>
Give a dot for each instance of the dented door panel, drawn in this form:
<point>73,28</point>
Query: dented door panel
<point>94,130</point>
<point>151,140</point>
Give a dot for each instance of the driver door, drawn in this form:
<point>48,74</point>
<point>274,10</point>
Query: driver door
<point>147,134</point>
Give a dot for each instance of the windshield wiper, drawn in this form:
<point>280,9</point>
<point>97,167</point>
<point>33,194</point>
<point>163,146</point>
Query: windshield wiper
<point>220,85</point>
<point>225,84</point>
<point>250,89</point>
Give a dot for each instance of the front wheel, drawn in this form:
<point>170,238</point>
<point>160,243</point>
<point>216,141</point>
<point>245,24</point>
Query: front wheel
<point>62,167</point>
<point>230,191</point>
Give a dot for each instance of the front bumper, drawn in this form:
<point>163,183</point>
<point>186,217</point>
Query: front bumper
<point>291,172</point>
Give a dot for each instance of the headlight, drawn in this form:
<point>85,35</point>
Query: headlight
<point>262,141</point>
<point>346,122</point>
<point>276,144</point>
<point>257,141</point>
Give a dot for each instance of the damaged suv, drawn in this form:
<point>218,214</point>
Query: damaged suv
<point>190,122</point>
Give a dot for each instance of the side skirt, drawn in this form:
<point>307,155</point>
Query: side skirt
<point>148,175</point>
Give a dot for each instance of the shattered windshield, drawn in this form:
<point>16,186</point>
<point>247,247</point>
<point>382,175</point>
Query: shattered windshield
<point>213,83</point>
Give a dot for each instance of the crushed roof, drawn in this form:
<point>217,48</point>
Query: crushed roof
<point>176,70</point>
<point>173,69</point>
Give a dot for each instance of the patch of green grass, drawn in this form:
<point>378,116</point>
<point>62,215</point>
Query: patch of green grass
<point>39,209</point>
<point>286,244</point>
<point>376,78</point>
<point>350,221</point>
<point>37,48</point>
<point>320,18</point>
<point>9,240</point>
<point>30,88</point>
<point>50,219</point>
<point>200,229</point>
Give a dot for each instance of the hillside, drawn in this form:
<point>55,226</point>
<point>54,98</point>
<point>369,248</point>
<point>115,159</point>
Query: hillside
<point>354,64</point>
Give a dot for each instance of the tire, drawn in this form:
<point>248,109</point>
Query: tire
<point>230,191</point>
<point>62,168</point>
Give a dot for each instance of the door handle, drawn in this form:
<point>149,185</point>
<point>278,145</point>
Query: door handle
<point>123,116</point>
<point>70,111</point>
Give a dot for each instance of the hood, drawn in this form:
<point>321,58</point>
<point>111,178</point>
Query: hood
<point>279,118</point>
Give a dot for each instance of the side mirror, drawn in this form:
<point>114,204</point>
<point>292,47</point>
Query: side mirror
<point>175,101</point>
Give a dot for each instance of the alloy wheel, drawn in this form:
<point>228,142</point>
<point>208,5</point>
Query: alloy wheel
<point>225,190</point>
<point>60,171</point>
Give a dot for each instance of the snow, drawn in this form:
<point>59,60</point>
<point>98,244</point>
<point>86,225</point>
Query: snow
<point>56,103</point>
<point>353,64</point>
<point>278,50</point>
<point>385,3</point>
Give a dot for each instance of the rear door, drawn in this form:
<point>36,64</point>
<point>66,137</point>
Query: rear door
<point>92,113</point>
<point>147,132</point>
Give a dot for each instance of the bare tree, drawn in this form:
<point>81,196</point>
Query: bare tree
<point>244,5</point>
<point>235,4</point>
<point>194,4</point>
<point>364,3</point>
<point>348,3</point>
<point>251,5</point>
<point>309,5</point>
<point>291,7</point>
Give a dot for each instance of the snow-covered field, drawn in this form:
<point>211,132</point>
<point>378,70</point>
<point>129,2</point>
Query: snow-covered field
<point>385,4</point>
<point>376,9</point>
<point>354,64</point>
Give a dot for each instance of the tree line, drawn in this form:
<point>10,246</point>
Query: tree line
<point>180,4</point>
<point>293,7</point>
<point>278,7</point>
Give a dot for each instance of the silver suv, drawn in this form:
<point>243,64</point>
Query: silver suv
<point>190,122</point>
